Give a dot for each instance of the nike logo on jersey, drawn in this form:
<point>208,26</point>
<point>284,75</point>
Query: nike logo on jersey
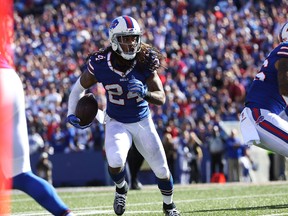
<point>242,118</point>
<point>259,120</point>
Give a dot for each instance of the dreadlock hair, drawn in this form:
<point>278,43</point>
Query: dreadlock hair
<point>147,58</point>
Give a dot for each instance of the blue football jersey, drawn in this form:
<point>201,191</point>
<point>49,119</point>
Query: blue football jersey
<point>264,92</point>
<point>122,105</point>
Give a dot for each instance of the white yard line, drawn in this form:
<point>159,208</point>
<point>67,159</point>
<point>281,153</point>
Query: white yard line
<point>93,210</point>
<point>274,214</point>
<point>105,191</point>
<point>89,212</point>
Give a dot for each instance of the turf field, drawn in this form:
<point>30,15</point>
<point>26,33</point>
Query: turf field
<point>237,199</point>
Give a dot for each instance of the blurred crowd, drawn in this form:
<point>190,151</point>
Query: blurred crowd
<point>213,49</point>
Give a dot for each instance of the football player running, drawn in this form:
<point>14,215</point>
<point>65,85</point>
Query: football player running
<point>13,121</point>
<point>264,120</point>
<point>128,71</point>
<point>15,167</point>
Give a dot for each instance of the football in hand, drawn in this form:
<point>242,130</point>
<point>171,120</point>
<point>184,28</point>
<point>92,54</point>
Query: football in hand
<point>86,109</point>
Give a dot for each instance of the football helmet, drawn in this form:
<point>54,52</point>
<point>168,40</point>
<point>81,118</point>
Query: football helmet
<point>283,34</point>
<point>125,36</point>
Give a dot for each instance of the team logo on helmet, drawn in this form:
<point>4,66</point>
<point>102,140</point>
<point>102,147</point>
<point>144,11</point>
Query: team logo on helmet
<point>114,24</point>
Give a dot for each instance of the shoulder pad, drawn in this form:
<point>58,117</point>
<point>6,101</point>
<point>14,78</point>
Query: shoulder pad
<point>97,57</point>
<point>283,50</point>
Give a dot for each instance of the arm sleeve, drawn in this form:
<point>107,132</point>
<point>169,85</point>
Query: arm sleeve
<point>77,92</point>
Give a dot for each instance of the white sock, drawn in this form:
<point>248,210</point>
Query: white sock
<point>121,184</point>
<point>167,199</point>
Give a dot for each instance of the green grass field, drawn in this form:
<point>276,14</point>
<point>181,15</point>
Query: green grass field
<point>235,199</point>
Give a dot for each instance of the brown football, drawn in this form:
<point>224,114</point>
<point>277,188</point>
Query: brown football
<point>86,109</point>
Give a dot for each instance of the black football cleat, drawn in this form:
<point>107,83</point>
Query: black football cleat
<point>170,210</point>
<point>120,200</point>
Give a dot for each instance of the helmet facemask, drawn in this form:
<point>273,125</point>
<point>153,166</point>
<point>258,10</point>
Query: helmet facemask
<point>128,45</point>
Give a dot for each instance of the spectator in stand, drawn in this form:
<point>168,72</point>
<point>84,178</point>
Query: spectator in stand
<point>236,89</point>
<point>171,151</point>
<point>159,115</point>
<point>84,140</point>
<point>247,165</point>
<point>38,122</point>
<point>36,141</point>
<point>53,98</point>
<point>216,146</point>
<point>44,167</point>
<point>234,152</point>
<point>98,134</point>
<point>172,128</point>
<point>60,141</point>
<point>194,146</point>
<point>184,157</point>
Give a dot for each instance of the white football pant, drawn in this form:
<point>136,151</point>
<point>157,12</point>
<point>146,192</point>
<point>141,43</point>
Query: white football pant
<point>12,97</point>
<point>118,140</point>
<point>272,129</point>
